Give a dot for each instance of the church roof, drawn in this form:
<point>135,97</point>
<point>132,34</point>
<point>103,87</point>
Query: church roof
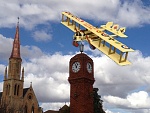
<point>25,91</point>
<point>51,111</point>
<point>65,107</point>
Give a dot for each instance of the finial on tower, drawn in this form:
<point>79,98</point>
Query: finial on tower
<point>81,47</point>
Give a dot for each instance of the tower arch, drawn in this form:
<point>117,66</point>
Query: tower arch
<point>32,109</point>
<point>18,88</point>
<point>15,89</point>
<point>25,109</point>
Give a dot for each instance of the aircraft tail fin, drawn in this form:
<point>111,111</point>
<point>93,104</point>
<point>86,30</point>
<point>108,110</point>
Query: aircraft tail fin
<point>109,24</point>
<point>122,29</point>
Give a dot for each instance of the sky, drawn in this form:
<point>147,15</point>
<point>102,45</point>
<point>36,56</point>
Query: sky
<point>46,48</point>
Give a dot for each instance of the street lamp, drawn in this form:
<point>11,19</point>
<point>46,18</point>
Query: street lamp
<point>81,47</point>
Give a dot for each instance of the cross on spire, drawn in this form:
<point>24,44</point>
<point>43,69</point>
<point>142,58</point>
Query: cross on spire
<point>30,84</point>
<point>18,20</point>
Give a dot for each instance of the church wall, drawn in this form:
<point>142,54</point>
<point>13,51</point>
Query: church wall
<point>30,102</point>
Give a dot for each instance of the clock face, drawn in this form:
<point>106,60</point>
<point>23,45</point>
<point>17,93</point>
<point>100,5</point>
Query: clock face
<point>89,67</point>
<point>76,67</point>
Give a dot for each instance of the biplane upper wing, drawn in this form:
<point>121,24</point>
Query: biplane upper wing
<point>105,43</point>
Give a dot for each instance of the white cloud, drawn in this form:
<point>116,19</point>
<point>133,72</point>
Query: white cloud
<point>134,13</point>
<point>52,72</point>
<point>107,111</point>
<point>2,69</point>
<point>139,99</point>
<point>26,51</point>
<point>53,106</point>
<point>121,79</point>
<point>49,74</point>
<point>37,12</point>
<point>134,100</point>
<point>5,43</point>
<point>31,52</point>
<point>42,36</point>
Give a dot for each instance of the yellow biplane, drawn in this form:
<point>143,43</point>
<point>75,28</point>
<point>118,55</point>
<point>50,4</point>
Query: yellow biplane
<point>98,38</point>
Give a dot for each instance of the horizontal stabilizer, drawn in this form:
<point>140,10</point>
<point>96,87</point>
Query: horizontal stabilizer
<point>115,27</point>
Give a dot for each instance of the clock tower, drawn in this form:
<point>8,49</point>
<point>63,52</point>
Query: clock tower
<point>81,79</point>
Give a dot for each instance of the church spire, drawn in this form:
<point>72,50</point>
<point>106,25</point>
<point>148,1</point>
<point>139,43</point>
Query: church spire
<point>16,44</point>
<point>22,74</point>
<point>5,75</point>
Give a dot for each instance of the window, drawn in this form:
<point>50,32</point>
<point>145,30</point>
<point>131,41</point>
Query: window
<point>25,109</point>
<point>6,89</point>
<point>18,90</point>
<point>15,89</point>
<point>30,96</point>
<point>32,111</point>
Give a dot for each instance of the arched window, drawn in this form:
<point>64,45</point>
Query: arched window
<point>25,109</point>
<point>18,90</point>
<point>6,89</point>
<point>32,111</point>
<point>15,89</point>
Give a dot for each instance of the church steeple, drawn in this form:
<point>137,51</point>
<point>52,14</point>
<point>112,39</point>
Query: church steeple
<point>13,81</point>
<point>16,44</point>
<point>15,59</point>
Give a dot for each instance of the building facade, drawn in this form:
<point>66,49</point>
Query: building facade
<point>15,98</point>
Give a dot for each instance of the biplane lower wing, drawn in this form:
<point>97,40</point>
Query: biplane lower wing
<point>109,51</point>
<point>118,58</point>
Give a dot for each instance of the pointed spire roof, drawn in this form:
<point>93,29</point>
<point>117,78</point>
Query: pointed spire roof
<point>16,44</point>
<point>30,84</point>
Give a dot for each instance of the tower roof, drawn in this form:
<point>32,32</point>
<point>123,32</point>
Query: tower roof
<point>16,44</point>
<point>81,56</point>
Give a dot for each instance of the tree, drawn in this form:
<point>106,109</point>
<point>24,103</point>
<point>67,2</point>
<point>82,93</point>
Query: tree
<point>98,107</point>
<point>64,109</point>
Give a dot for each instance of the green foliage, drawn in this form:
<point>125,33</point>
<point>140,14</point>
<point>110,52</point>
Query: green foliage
<point>98,107</point>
